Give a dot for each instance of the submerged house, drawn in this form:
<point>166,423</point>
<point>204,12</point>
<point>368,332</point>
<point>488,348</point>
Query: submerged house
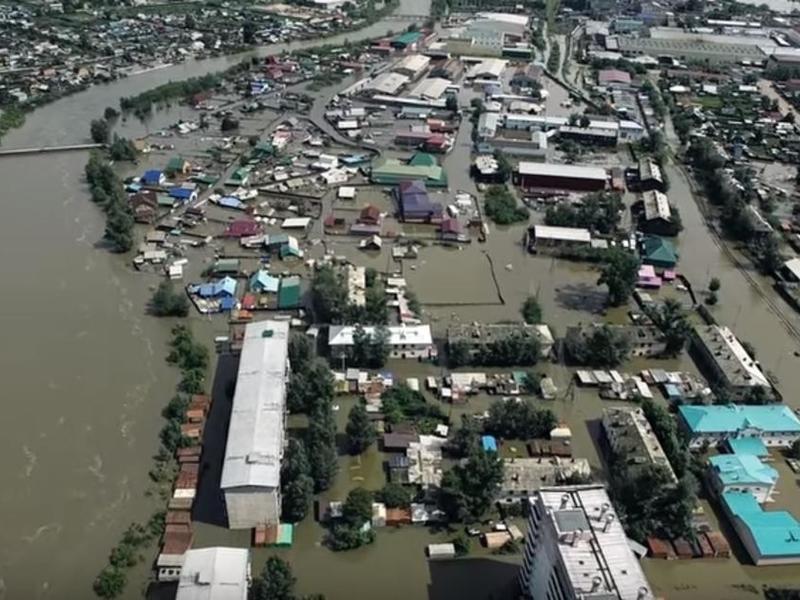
<point>225,287</point>
<point>263,283</point>
<point>415,205</point>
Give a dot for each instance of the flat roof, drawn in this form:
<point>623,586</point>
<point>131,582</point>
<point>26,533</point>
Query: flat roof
<point>214,574</point>
<point>632,436</point>
<point>342,335</point>
<point>567,234</point>
<point>600,549</point>
<point>254,447</point>
<point>558,170</point>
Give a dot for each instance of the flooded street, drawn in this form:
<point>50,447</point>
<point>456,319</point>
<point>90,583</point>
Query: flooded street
<point>85,377</point>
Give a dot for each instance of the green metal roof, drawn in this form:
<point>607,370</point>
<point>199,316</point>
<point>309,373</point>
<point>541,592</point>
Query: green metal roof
<point>289,294</point>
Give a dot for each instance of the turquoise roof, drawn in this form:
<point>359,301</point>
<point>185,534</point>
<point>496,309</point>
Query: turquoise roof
<point>748,445</point>
<point>262,281</point>
<point>775,533</point>
<point>733,469</point>
<point>735,417</point>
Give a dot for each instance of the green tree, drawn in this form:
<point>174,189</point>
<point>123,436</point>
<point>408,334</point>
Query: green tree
<point>100,131</point>
<point>357,507</point>
<point>468,489</point>
<point>189,22</point>
<point>328,296</point>
<point>461,544</point>
<point>714,284</point>
<point>602,347</point>
<point>321,444</point>
<point>501,206</point>
<point>521,419</point>
<point>794,451</point>
<point>451,103</point>
<point>300,351</point>
<point>166,302</point>
<point>121,149</point>
<point>249,32</point>
<point>370,349</point>
<point>360,431</point>
<point>297,486</point>
<point>394,495</point>
<point>110,583</point>
<point>619,273</point>
<point>309,387</point>
<point>119,228</point>
<point>276,581</point>
<point>466,439</point>
<point>531,310</point>
<point>458,354</point>
<point>670,317</point>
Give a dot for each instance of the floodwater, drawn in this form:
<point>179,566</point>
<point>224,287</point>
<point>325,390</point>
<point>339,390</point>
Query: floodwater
<point>85,377</point>
<point>83,373</point>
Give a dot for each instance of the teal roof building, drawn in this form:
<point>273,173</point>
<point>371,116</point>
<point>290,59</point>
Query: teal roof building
<point>743,473</point>
<point>775,424</point>
<point>770,537</point>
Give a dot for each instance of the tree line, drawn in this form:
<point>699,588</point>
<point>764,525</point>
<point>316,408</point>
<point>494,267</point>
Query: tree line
<point>107,191</point>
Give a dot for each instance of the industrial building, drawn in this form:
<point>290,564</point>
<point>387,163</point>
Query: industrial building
<point>692,46</point>
<point>251,469</point>
<point>774,424</point>
<point>544,237</point>
<point>215,574</point>
<point>405,341</point>
<point>432,88</point>
<point>388,83</point>
<point>412,66</point>
<point>726,361</point>
<point>576,548</point>
<point>532,175</point>
<point>632,439</point>
<point>393,171</point>
<point>654,214</point>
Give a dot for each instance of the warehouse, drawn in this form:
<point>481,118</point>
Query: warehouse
<point>687,46</point>
<point>220,573</point>
<point>430,89</point>
<point>388,83</point>
<point>491,68</point>
<point>531,175</point>
<point>251,468</point>
<point>413,66</point>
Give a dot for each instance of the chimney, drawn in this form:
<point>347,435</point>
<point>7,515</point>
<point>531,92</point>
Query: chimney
<point>609,520</point>
<point>604,509</point>
<point>564,501</point>
<point>643,593</point>
<point>576,536</point>
<point>596,582</point>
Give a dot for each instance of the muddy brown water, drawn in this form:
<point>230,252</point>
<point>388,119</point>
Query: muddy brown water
<point>85,378</point>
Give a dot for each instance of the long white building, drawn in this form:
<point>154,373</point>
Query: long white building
<point>252,466</point>
<point>576,549</point>
<point>405,341</point>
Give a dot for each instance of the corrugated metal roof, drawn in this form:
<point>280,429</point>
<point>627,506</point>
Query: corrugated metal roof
<point>256,432</point>
<point>214,574</point>
<point>558,170</point>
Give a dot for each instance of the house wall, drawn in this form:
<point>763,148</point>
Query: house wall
<point>772,440</point>
<point>542,575</point>
<point>752,549</point>
<point>252,505</point>
<point>559,183</point>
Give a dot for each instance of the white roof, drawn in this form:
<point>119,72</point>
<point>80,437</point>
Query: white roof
<point>567,234</point>
<point>214,574</point>
<point>296,223</point>
<point>793,266</point>
<point>342,335</point>
<point>256,432</point>
<point>388,83</point>
<point>514,19</point>
<point>656,206</point>
<point>347,191</point>
<point>492,67</point>
<point>557,170</point>
<point>414,63</point>
<point>607,557</point>
<point>432,88</point>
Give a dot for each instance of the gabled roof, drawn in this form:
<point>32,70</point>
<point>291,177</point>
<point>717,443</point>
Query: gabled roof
<point>734,417</point>
<point>263,281</point>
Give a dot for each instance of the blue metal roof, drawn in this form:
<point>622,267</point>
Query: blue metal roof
<point>153,176</point>
<point>735,417</point>
<point>489,443</point>
<point>748,445</point>
<point>734,469</point>
<point>181,193</point>
<point>775,533</point>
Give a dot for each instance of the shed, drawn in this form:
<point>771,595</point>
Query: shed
<point>683,548</point>
<point>436,551</point>
<point>495,539</point>
<point>659,548</point>
<point>289,293</point>
<point>489,443</point>
<point>398,516</point>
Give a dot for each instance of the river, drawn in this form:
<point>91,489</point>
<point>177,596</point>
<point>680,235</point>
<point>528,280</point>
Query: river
<point>84,377</point>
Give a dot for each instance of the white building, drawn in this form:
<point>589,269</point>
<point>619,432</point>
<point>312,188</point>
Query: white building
<point>215,574</point>
<point>576,548</point>
<point>491,68</point>
<point>742,473</point>
<point>632,438</point>
<point>405,341</point>
<point>432,88</point>
<point>412,66</point>
<point>256,434</point>
<point>388,83</point>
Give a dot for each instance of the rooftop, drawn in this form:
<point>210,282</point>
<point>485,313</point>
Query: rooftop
<point>256,431</point>
<point>736,365</point>
<point>342,335</point>
<point>656,206</point>
<point>735,417</point>
<point>592,544</point>
<point>215,574</point>
<point>775,533</point>
<point>735,469</point>
<point>569,234</point>
<point>632,437</point>
<point>559,170</point>
<point>524,475</point>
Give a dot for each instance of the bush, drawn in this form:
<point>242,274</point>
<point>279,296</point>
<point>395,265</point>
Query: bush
<point>166,302</point>
<point>501,206</point>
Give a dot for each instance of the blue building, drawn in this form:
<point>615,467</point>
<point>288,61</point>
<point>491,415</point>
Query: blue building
<point>742,473</point>
<point>183,195</point>
<point>774,424</point>
<point>153,177</point>
<point>225,287</point>
<point>770,537</point>
<point>489,443</point>
<point>262,282</point>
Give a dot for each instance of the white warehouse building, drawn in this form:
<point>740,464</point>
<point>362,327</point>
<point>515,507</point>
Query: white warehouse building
<point>405,341</point>
<point>252,466</point>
